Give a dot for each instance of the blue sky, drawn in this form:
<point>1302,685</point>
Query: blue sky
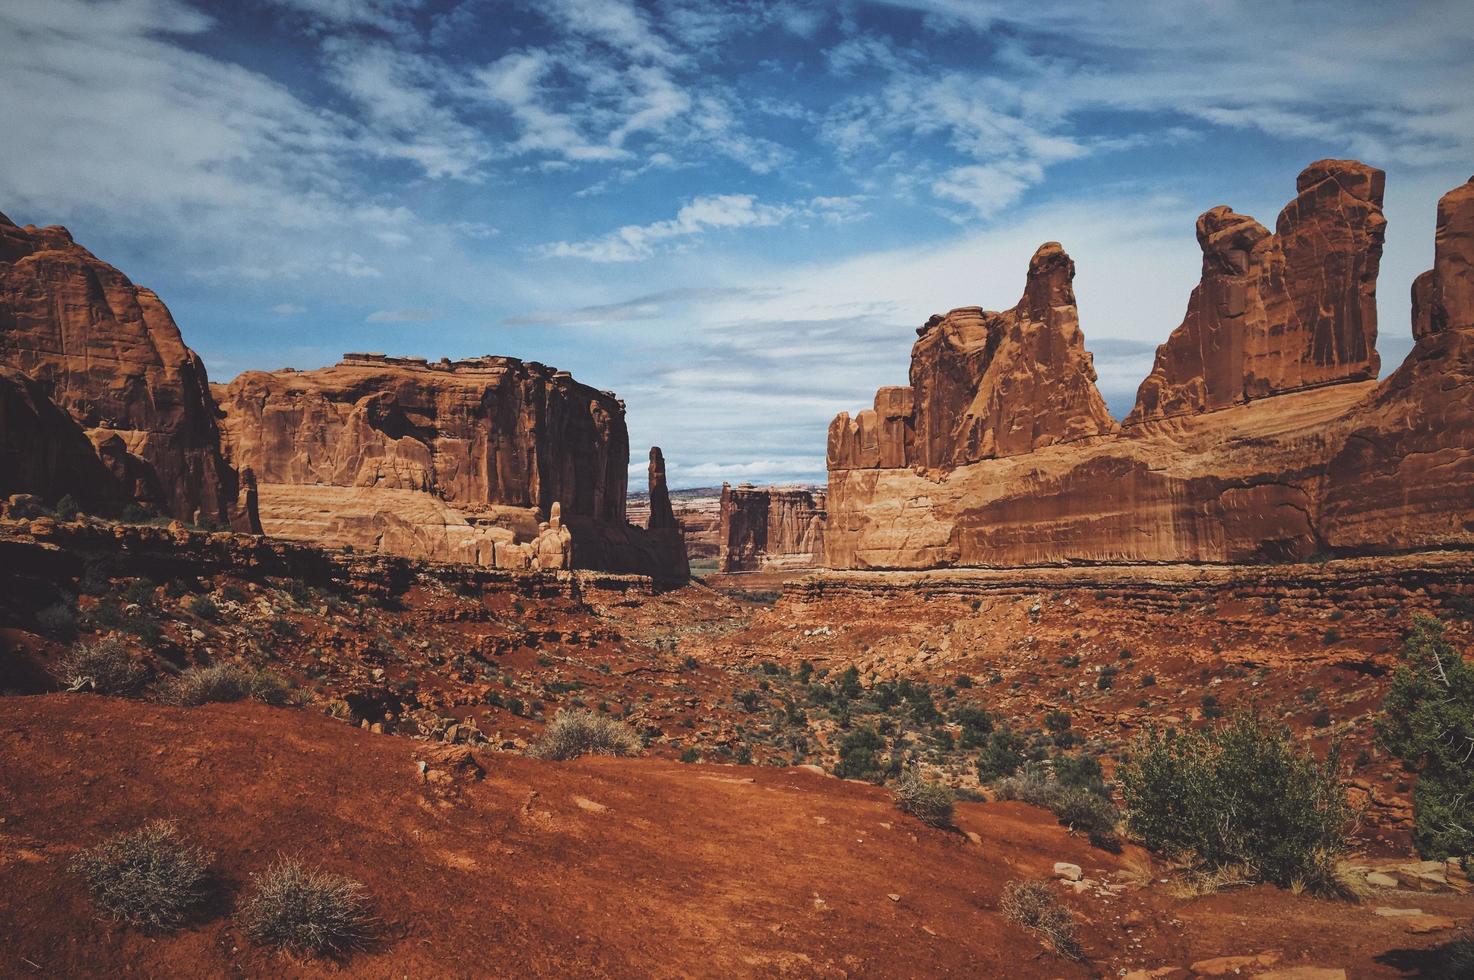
<point>733,215</point>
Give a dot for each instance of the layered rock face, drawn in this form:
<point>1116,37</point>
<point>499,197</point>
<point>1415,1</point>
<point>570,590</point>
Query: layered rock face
<point>108,353</point>
<point>1405,472</point>
<point>43,451</point>
<point>493,460</point>
<point>489,431</point>
<point>1259,436</point>
<point>770,528</point>
<point>1276,313</point>
<point>985,384</point>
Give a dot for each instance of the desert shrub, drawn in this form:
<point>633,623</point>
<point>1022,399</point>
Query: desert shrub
<point>928,802</point>
<point>1428,722</point>
<point>1074,793</point>
<point>60,620</point>
<point>860,755</point>
<point>574,732</point>
<point>1243,793</point>
<point>151,877</point>
<point>204,607</point>
<point>977,725</point>
<point>226,682</point>
<point>103,667</point>
<point>66,508</point>
<point>305,910</point>
<point>1002,754</point>
<point>1035,906</point>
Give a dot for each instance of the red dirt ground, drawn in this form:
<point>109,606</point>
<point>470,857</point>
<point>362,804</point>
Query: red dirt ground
<point>599,867</point>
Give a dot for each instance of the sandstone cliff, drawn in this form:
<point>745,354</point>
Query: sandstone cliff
<point>770,528</point>
<point>108,353</point>
<point>43,451</point>
<point>1259,436</point>
<point>1275,313</point>
<point>492,460</point>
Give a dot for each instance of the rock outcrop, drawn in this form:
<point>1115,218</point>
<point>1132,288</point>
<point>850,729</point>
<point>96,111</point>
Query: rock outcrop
<point>492,460</point>
<point>43,451</point>
<point>986,384</point>
<point>109,354</point>
<point>1276,313</point>
<point>770,529</point>
<point>1261,434</point>
<point>1405,473</point>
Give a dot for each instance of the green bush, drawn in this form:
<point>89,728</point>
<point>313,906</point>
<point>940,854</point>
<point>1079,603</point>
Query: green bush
<point>1240,794</point>
<point>1002,754</point>
<point>307,911</point>
<point>574,732</point>
<point>103,667</point>
<point>1074,792</point>
<point>204,607</point>
<point>1428,722</point>
<point>860,756</point>
<point>151,877</point>
<point>1035,906</point>
<point>225,682</point>
<point>60,620</point>
<point>928,802</point>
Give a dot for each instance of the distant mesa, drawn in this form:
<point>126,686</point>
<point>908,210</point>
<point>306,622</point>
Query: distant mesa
<point>1261,433</point>
<point>770,529</point>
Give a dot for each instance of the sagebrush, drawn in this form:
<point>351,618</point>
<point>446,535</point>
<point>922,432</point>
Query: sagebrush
<point>225,682</point>
<point>927,801</point>
<point>103,667</point>
<point>1034,905</point>
<point>1243,793</point>
<point>576,731</point>
<point>151,877</point>
<point>307,910</point>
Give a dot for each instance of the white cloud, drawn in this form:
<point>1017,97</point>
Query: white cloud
<point>288,309</point>
<point>399,316</point>
<point>634,242</point>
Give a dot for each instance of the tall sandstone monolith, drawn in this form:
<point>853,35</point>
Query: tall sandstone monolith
<point>1278,312</point>
<point>109,354</point>
<point>985,384</point>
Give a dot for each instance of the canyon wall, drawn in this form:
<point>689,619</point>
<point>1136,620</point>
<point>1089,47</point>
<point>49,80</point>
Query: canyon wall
<point>1260,434</point>
<point>491,460</point>
<point>769,529</point>
<point>108,354</point>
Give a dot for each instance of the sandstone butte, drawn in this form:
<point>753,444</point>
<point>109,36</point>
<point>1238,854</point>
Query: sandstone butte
<point>99,396</point>
<point>770,529</point>
<point>491,461</point>
<point>1261,433</point>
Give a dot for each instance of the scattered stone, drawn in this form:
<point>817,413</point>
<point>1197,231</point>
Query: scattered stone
<point>1067,871</point>
<point>1222,966</point>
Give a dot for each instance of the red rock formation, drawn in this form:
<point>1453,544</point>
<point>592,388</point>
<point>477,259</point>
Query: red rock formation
<point>661,513</point>
<point>985,384</point>
<point>44,452</point>
<point>1272,461</point>
<point>109,353</point>
<point>493,461</point>
<point>770,528</point>
<point>1275,313</point>
<point>1406,471</point>
<point>492,431</point>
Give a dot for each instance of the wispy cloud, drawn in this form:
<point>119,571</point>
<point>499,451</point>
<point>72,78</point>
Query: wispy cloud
<point>400,316</point>
<point>631,243</point>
